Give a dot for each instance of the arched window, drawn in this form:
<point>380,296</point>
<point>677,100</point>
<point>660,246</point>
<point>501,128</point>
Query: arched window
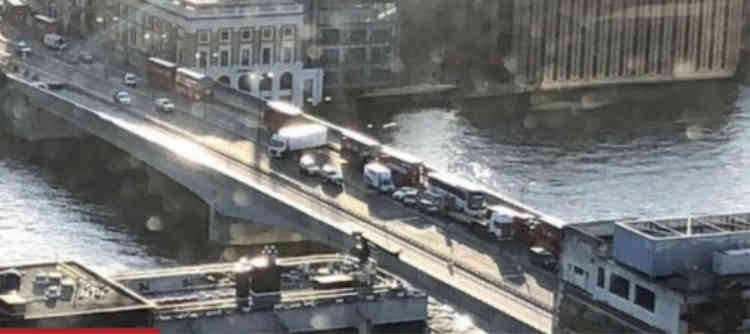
<point>243,83</point>
<point>266,83</point>
<point>225,80</point>
<point>286,81</point>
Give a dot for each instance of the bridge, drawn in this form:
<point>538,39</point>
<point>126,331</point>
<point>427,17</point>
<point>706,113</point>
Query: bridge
<point>211,149</point>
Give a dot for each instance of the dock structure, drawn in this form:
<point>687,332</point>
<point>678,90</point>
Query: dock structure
<point>275,295</point>
<point>583,43</point>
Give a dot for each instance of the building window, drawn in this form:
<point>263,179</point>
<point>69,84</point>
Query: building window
<point>133,35</point>
<point>577,270</point>
<point>288,33</point>
<point>287,54</point>
<point>246,34</point>
<point>245,57</point>
<point>286,81</point>
<point>330,57</point>
<point>619,286</point>
<point>644,298</point>
<point>202,59</point>
<point>381,36</point>
<point>330,36</point>
<point>204,37</point>
<point>380,55</point>
<point>600,277</point>
<point>266,55</point>
<point>225,36</point>
<point>355,56</point>
<point>267,33</point>
<point>224,57</point>
<point>358,36</point>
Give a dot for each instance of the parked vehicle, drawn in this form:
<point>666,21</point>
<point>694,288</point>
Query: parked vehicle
<point>86,58</point>
<point>463,196</point>
<point>406,195</point>
<point>410,199</point>
<point>129,79</point>
<point>308,165</point>
<point>427,206</point>
<point>55,42</point>
<point>56,85</point>
<point>22,47</point>
<point>378,176</point>
<point>543,258</point>
<point>297,138</point>
<point>122,97</point>
<point>164,105</point>
<point>332,174</point>
<point>501,221</point>
<point>40,85</point>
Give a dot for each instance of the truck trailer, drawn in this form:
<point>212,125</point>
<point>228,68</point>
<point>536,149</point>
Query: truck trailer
<point>297,138</point>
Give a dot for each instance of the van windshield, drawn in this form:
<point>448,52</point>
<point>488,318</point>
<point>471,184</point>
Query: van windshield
<point>277,143</point>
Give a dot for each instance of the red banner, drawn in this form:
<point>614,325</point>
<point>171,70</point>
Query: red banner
<point>79,331</point>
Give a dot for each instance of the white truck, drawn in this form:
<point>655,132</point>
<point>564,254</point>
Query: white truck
<point>379,177</point>
<point>296,138</point>
<point>55,42</point>
<point>501,221</point>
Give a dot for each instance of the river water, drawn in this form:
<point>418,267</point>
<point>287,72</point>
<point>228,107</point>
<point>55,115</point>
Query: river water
<point>668,157</point>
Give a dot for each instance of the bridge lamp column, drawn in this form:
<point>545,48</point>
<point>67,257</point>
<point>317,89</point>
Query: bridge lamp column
<point>101,22</point>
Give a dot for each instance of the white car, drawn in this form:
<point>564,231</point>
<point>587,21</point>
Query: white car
<point>129,80</point>
<point>22,46</point>
<point>403,192</point>
<point>164,105</point>
<point>122,97</point>
<point>40,85</point>
<point>308,166</point>
<point>331,174</point>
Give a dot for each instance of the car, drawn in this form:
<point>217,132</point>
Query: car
<point>86,58</point>
<point>56,85</point>
<point>308,166</point>
<point>331,174</point>
<point>122,97</point>
<point>403,192</point>
<point>22,46</point>
<point>129,79</point>
<point>543,258</point>
<point>164,105</point>
<point>410,199</point>
<point>39,84</point>
<point>427,206</point>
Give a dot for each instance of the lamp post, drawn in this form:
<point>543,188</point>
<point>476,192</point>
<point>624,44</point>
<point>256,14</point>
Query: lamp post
<point>102,23</point>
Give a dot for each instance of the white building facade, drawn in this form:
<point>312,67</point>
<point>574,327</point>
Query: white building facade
<point>255,46</point>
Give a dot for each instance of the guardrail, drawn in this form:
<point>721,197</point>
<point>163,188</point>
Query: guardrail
<point>403,238</point>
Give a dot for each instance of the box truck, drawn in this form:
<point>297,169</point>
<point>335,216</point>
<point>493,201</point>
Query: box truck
<point>379,177</point>
<point>55,42</point>
<point>297,138</point>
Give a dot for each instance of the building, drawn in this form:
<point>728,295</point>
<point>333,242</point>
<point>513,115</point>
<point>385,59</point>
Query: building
<point>356,42</point>
<point>577,43</point>
<point>72,18</point>
<point>67,294</point>
<point>667,275</point>
<point>255,46</point>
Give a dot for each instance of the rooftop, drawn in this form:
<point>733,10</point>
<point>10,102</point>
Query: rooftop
<point>690,227</point>
<point>43,287</point>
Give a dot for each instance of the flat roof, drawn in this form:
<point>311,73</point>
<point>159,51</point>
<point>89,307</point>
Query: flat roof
<point>162,62</point>
<point>193,74</point>
<point>401,155</point>
<point>92,293</point>
<point>690,227</point>
<point>45,18</point>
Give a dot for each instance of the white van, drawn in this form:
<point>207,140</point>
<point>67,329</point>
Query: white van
<point>379,177</point>
<point>55,42</point>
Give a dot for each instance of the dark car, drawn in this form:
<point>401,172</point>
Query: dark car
<point>427,206</point>
<point>86,58</point>
<point>331,174</point>
<point>541,257</point>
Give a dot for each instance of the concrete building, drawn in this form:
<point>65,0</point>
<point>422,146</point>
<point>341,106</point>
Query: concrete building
<point>251,45</point>
<point>356,42</point>
<point>668,275</point>
<point>575,43</point>
<point>73,18</point>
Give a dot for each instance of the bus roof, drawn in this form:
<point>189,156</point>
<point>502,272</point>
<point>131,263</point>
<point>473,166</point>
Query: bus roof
<point>401,155</point>
<point>162,62</point>
<point>359,137</point>
<point>455,181</point>
<point>284,108</point>
<point>193,74</point>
